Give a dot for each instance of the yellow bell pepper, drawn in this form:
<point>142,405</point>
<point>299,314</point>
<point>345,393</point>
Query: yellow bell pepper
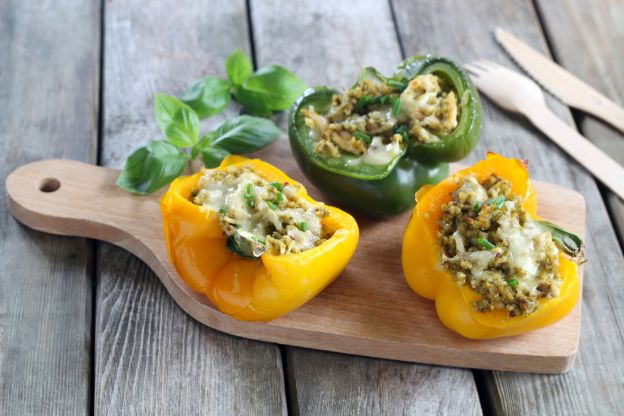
<point>250,289</point>
<point>421,255</point>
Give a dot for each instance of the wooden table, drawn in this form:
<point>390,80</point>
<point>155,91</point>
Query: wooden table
<point>87,328</point>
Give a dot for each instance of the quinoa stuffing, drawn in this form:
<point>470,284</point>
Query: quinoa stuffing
<point>490,243</point>
<point>268,215</point>
<point>375,119</point>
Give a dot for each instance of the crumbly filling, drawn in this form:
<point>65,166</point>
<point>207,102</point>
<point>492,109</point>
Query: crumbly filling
<point>490,243</point>
<point>429,108</point>
<point>377,117</point>
<point>269,215</point>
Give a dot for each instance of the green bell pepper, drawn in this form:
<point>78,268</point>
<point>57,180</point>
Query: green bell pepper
<point>387,189</point>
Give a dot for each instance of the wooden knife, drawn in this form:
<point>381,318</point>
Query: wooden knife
<point>561,83</point>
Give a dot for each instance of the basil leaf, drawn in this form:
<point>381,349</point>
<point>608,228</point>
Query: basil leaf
<point>178,122</point>
<point>252,102</point>
<point>245,134</point>
<point>238,67</point>
<point>566,241</point>
<point>277,86</point>
<point>208,96</point>
<point>151,167</point>
<point>213,156</point>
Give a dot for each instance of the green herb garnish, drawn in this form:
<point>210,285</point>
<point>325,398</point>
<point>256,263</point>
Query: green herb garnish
<point>402,130</point>
<point>303,226</point>
<point>398,85</point>
<point>485,243</point>
<point>363,137</point>
<point>396,107</point>
<point>513,282</point>
<point>477,207</point>
<point>224,209</point>
<point>249,196</point>
<point>362,102</point>
<point>271,88</point>
<point>278,185</point>
<point>498,202</point>
<point>272,205</point>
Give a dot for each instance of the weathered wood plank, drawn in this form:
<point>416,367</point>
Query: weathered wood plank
<point>327,43</point>
<point>151,357</point>
<point>589,42</point>
<point>463,30</point>
<point>49,76</point>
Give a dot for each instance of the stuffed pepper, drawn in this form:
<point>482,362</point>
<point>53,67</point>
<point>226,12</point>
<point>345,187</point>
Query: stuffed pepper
<point>475,245</point>
<point>251,239</point>
<point>372,146</point>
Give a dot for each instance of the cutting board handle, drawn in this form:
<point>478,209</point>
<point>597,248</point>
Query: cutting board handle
<point>79,199</point>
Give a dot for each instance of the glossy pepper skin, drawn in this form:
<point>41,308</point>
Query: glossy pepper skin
<point>387,190</point>
<point>250,289</point>
<point>421,254</point>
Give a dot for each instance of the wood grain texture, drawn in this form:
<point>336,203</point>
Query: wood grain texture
<point>588,41</point>
<point>49,75</point>
<point>592,385</point>
<point>331,384</point>
<point>152,358</point>
<point>386,321</point>
<point>326,43</point>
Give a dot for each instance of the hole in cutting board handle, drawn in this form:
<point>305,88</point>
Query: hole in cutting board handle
<point>49,185</point>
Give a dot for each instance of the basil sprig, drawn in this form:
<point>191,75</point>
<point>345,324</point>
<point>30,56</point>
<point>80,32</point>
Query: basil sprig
<point>272,88</point>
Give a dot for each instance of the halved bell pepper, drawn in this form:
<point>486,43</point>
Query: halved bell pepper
<point>386,190</point>
<point>250,289</point>
<point>421,255</point>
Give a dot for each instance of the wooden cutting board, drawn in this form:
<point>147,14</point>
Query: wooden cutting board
<point>369,310</point>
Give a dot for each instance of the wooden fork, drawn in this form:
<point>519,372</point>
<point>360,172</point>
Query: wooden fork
<point>517,93</point>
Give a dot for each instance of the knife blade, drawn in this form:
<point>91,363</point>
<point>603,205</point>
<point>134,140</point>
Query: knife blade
<point>561,83</point>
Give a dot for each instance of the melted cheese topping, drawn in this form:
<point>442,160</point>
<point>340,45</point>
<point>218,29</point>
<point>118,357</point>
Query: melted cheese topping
<point>428,108</point>
<point>271,212</point>
<point>490,243</point>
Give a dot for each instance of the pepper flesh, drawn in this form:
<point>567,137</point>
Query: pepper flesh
<point>421,256</point>
<point>250,289</point>
<point>385,191</point>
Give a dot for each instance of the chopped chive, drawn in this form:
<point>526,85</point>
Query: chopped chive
<point>303,226</point>
<point>513,282</point>
<point>278,185</point>
<point>402,130</point>
<point>224,209</point>
<point>396,107</point>
<point>383,99</point>
<point>477,207</point>
<point>399,85</point>
<point>362,102</point>
<point>485,243</point>
<point>498,202</point>
<point>249,196</point>
<point>363,137</point>
<point>272,205</point>
<point>279,198</point>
